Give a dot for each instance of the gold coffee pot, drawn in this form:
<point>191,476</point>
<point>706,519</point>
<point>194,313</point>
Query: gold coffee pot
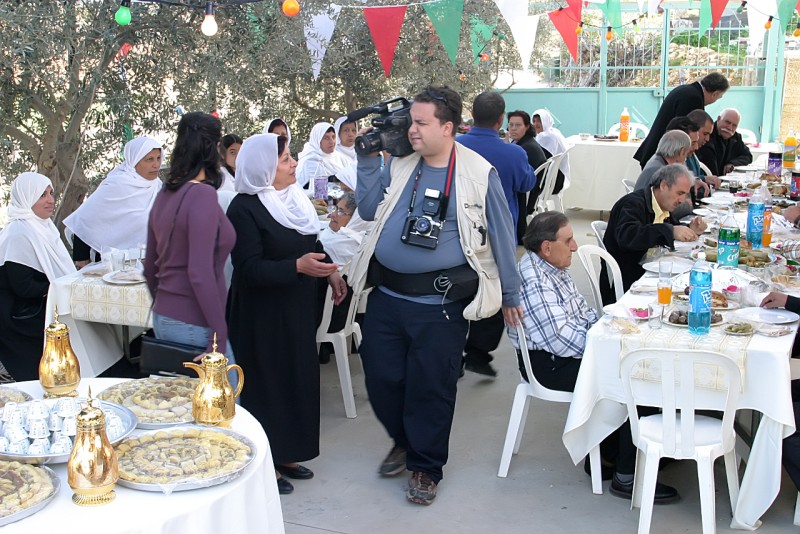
<point>59,370</point>
<point>214,400</point>
<point>92,470</point>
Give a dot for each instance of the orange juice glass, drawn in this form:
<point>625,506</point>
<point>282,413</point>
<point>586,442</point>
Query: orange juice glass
<point>664,293</point>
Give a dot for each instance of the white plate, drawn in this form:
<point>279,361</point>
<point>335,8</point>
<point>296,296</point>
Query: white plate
<point>705,212</point>
<point>747,168</point>
<point>722,201</point>
<point>110,278</point>
<point>764,315</point>
<point>679,266</point>
<point>622,312</point>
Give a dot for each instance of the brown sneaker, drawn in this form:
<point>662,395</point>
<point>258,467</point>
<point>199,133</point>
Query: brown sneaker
<point>394,463</point>
<point>421,488</point>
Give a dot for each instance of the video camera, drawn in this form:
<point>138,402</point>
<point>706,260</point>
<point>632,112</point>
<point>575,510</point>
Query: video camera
<point>390,128</point>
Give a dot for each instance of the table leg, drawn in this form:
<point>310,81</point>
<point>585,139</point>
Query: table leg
<point>126,344</point>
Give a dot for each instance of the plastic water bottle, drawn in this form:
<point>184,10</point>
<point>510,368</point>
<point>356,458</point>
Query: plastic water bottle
<point>755,219</point>
<point>700,297</point>
<point>624,125</point>
<point>728,242</point>
<point>766,232</point>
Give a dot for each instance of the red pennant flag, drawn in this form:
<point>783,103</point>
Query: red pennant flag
<point>797,7</point>
<point>717,7</point>
<point>576,6</point>
<point>384,25</point>
<point>565,23</point>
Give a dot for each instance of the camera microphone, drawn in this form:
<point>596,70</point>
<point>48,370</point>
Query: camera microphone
<point>363,112</point>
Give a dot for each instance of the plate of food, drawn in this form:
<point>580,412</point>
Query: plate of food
<point>182,458</point>
<point>24,490</point>
<point>739,328</point>
<point>156,402</point>
<point>719,301</point>
<point>606,138</point>
<point>8,394</point>
<point>747,257</point>
<point>619,311</point>
<point>765,315</point>
<point>680,318</point>
<point>124,278</point>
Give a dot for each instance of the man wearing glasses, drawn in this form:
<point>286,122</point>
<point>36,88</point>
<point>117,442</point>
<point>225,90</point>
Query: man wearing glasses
<point>441,254</point>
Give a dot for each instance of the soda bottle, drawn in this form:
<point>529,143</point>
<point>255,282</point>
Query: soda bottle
<point>755,219</point>
<point>789,150</point>
<point>728,242</point>
<point>766,231</point>
<point>625,125</point>
<point>700,297</point>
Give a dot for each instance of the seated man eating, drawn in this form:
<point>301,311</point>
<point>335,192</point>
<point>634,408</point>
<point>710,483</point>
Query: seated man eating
<point>725,148</point>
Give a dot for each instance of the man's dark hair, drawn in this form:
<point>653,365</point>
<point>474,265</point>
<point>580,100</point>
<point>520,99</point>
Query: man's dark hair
<point>715,81</point>
<point>669,174</point>
<point>487,108</point>
<point>684,124</point>
<point>699,117</point>
<point>543,227</point>
<point>195,150</point>
<point>448,104</point>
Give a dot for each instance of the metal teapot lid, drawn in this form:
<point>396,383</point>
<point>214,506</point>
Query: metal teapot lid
<point>214,358</point>
<point>91,416</point>
<point>56,328</point>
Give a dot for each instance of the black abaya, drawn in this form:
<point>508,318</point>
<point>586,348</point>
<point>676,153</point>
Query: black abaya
<point>23,293</point>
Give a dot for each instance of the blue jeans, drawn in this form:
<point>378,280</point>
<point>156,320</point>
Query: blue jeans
<point>190,334</point>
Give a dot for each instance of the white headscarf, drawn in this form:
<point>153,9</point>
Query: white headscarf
<point>552,140</point>
<point>272,121</point>
<point>347,152</point>
<point>115,215</point>
<point>28,239</point>
<point>312,161</point>
<point>341,246</point>
<point>348,176</point>
<point>228,180</point>
<point>255,174</point>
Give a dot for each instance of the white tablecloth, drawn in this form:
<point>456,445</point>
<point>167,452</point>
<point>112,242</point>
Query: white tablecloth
<point>597,169</point>
<point>598,408</point>
<point>248,504</point>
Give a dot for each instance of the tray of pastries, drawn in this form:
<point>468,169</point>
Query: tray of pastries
<point>43,431</point>
<point>24,490</point>
<point>157,402</point>
<point>182,458</point>
<point>12,395</point>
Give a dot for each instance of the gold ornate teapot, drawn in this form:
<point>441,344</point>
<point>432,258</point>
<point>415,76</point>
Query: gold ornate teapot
<point>92,470</point>
<point>214,400</point>
<point>59,370</point>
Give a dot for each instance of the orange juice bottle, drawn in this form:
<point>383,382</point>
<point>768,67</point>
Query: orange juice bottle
<point>624,125</point>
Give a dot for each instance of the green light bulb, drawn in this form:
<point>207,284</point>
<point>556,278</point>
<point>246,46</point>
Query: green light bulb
<point>123,16</point>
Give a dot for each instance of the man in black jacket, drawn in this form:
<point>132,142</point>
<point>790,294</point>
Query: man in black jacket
<point>679,102</point>
<point>641,220</point>
<point>725,148</point>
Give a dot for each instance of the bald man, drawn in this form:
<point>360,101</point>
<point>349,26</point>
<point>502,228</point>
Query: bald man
<point>725,148</point>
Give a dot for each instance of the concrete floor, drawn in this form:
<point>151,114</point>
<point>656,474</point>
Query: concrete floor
<point>544,491</point>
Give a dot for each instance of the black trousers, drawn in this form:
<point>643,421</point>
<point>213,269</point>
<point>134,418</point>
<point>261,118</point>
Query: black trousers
<point>412,359</point>
<point>484,337</point>
<point>522,216</point>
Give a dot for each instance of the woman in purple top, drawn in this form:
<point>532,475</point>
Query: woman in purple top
<point>188,240</point>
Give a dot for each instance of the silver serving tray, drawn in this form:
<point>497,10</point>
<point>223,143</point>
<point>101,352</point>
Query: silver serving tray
<point>192,484</point>
<point>144,425</point>
<point>128,422</point>
<point>27,512</point>
<point>4,400</point>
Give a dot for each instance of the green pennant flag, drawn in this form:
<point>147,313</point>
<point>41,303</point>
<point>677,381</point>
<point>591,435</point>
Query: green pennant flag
<point>613,12</point>
<point>446,16</point>
<point>705,16</point>
<point>480,33</point>
<point>785,8</point>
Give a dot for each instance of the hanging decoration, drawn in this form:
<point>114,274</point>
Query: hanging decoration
<point>523,26</point>
<point>785,9</point>
<point>652,7</point>
<point>318,31</point>
<point>567,27</point>
<point>123,14</point>
<point>209,26</point>
<point>290,8</point>
<point>576,6</point>
<point>480,33</point>
<point>384,25</point>
<point>446,18</point>
<point>613,12</point>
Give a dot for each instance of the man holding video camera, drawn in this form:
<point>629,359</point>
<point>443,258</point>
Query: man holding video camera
<point>441,254</point>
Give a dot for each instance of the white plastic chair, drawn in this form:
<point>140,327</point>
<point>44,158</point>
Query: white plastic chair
<point>683,435</point>
<point>748,136</point>
<point>341,347</point>
<point>519,415</point>
<point>636,129</point>
<point>705,168</point>
<point>629,185</point>
<point>587,253</point>
<point>550,178</point>
<point>599,229</point>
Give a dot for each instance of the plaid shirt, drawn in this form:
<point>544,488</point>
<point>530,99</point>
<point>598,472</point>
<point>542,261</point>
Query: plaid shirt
<point>791,249</point>
<point>556,316</point>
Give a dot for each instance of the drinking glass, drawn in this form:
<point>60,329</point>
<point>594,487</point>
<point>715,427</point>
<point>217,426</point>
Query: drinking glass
<point>664,292</point>
<point>654,311</point>
<point>117,260</point>
<point>664,270</point>
<point>734,186</point>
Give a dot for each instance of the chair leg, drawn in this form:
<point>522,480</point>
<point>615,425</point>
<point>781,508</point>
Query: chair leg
<point>705,479</point>
<point>648,491</point>
<point>515,423</point>
<point>597,470</point>
<point>797,511</point>
<point>638,479</point>
<point>732,472</point>
<point>522,422</point>
<point>345,381</point>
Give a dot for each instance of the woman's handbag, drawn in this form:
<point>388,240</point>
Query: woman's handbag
<point>160,356</point>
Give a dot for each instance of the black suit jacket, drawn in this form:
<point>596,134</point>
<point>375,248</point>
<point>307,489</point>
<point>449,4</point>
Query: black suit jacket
<point>678,103</point>
<point>630,233</point>
<point>719,152</point>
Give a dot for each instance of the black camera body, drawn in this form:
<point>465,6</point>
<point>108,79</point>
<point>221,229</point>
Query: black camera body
<point>423,231</point>
<point>390,128</point>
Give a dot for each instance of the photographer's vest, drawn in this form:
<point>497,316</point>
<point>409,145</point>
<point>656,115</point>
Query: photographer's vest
<point>472,176</point>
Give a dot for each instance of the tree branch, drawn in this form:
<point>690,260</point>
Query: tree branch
<point>27,141</point>
<point>319,112</point>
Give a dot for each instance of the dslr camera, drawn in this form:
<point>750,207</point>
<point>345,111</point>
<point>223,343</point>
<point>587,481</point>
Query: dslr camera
<point>424,231</point>
<point>390,128</point>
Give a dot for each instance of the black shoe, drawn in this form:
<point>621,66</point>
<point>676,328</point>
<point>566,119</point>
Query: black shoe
<point>325,351</point>
<point>394,463</point>
<point>664,494</point>
<point>284,486</point>
<point>606,471</point>
<point>482,368</point>
<point>298,473</point>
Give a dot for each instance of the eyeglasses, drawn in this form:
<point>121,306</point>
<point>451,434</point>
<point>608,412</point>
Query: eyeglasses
<point>436,95</point>
<point>341,213</point>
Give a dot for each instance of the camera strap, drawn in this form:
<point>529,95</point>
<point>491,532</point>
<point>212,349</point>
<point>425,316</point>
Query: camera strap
<point>451,166</point>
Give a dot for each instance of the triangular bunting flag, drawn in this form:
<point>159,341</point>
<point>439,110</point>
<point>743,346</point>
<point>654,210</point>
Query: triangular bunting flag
<point>566,25</point>
<point>480,33</point>
<point>385,24</point>
<point>785,8</point>
<point>705,17</point>
<point>652,7</point>
<point>613,13</point>
<point>446,17</point>
<point>318,31</point>
<point>756,21</point>
<point>797,7</point>
<point>523,26</point>
<point>717,8</point>
<point>576,6</point>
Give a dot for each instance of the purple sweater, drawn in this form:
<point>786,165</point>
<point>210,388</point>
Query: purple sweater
<point>186,279</point>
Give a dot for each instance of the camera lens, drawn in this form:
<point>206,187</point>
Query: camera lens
<point>422,225</point>
<point>368,143</point>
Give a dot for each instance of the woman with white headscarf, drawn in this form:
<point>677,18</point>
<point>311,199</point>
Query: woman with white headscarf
<point>277,262</point>
<point>552,140</point>
<point>115,215</point>
<point>346,134</point>
<point>319,156</point>
<point>31,256</point>
<point>279,126</point>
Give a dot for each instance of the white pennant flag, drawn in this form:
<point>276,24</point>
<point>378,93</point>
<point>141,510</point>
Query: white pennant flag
<point>523,26</point>
<point>318,32</point>
<point>652,7</point>
<point>756,21</point>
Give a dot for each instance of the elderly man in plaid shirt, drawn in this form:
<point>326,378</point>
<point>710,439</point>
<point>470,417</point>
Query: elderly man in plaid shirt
<point>556,319</point>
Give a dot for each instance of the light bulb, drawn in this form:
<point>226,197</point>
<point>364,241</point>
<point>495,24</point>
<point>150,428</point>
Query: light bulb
<point>123,14</point>
<point>796,31</point>
<point>209,25</point>
<point>636,26</point>
<point>579,29</point>
<point>768,24</point>
<point>740,9</point>
<point>609,34</point>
